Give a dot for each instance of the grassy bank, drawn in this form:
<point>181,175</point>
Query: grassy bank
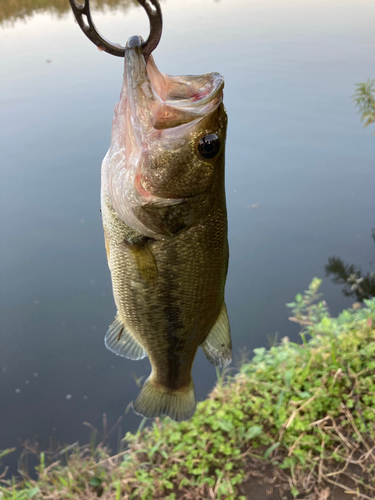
<point>299,419</point>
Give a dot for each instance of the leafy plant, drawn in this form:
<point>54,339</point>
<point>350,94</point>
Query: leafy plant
<point>305,410</point>
<point>364,98</point>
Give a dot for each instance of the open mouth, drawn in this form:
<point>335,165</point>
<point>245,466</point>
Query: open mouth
<point>176,100</point>
<point>188,90</point>
<point>160,120</point>
<point>159,101</point>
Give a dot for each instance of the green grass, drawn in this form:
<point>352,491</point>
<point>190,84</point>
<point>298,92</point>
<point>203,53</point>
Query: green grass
<point>307,409</point>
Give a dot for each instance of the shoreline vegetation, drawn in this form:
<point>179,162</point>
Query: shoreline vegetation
<point>297,421</point>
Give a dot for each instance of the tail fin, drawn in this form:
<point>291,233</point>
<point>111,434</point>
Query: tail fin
<point>155,400</point>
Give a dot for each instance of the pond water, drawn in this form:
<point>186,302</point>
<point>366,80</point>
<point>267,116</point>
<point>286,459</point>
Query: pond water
<point>300,181</point>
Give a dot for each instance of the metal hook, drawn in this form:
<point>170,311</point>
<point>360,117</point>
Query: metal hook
<point>153,10</point>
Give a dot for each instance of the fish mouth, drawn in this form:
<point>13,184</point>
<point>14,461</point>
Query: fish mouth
<point>160,101</point>
<point>152,161</point>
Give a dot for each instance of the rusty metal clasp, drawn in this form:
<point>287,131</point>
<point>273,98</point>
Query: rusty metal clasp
<point>83,15</point>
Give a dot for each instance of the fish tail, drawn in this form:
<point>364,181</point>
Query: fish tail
<point>155,400</point>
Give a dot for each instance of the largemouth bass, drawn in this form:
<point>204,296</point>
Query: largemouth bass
<point>165,227</point>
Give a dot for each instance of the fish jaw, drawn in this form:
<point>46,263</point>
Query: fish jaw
<point>153,158</point>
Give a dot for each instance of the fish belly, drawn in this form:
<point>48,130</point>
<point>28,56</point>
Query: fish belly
<point>170,311</point>
<point>168,292</point>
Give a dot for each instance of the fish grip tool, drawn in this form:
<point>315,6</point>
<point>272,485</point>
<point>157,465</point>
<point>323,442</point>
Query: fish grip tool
<point>84,19</point>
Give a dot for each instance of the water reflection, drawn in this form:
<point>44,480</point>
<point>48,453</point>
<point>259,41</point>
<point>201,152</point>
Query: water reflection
<point>356,285</point>
<point>20,9</point>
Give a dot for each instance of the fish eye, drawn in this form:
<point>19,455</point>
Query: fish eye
<point>209,146</point>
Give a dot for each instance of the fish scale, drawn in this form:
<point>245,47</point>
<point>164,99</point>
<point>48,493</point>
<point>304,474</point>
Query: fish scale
<point>193,285</point>
<point>165,225</point>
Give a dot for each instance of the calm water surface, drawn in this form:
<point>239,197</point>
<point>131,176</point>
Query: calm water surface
<point>300,181</point>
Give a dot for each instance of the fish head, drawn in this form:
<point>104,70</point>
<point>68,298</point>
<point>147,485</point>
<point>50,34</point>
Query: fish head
<point>168,140</point>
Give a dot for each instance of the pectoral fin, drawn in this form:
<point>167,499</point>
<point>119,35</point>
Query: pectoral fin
<point>108,252</point>
<point>119,340</point>
<point>218,344</point>
<point>144,258</point>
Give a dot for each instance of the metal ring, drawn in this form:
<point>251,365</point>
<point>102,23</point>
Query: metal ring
<point>153,10</point>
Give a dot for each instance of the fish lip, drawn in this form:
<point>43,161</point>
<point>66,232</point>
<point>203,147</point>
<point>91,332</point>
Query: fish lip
<point>217,88</point>
<point>149,90</point>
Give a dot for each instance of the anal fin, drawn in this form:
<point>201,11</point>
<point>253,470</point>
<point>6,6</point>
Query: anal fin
<point>218,344</point>
<point>119,340</point>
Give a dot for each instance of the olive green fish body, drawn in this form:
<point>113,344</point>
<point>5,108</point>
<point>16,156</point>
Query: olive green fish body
<point>166,232</point>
